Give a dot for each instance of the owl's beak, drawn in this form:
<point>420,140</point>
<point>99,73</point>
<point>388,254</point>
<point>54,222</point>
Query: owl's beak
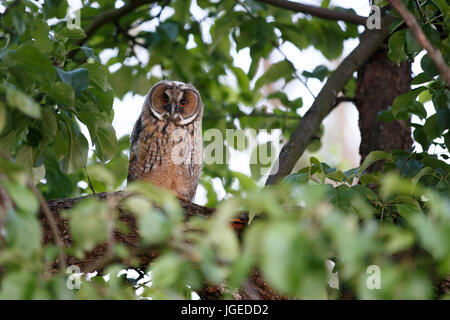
<point>170,109</point>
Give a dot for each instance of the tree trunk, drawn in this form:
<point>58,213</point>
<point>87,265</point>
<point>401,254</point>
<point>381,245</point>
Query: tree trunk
<point>379,82</point>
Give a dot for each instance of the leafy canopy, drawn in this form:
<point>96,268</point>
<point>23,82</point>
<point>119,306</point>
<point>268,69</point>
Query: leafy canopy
<point>52,81</point>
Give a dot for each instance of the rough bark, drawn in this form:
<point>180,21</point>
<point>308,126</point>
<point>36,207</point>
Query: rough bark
<point>379,82</point>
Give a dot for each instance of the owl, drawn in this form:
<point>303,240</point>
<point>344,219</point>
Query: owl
<point>166,141</point>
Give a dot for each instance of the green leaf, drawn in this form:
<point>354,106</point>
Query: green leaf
<point>441,99</point>
<point>425,171</point>
<point>407,206</point>
<point>396,45</point>
<point>74,33</point>
<point>17,285</point>
<point>22,197</point>
<point>315,145</point>
<point>88,223</point>
<point>242,78</point>
<point>121,81</point>
<point>412,46</point>
<point>428,66</point>
<point>343,197</point>
<point>443,118</point>
<point>170,29</point>
<point>442,5</point>
<point>78,79</point>
<point>320,72</point>
<point>23,102</point>
<point>282,96</point>
<point>432,235</point>
<point>24,157</point>
<point>245,181</point>
<point>59,184</point>
<point>316,163</point>
<point>403,102</point>
<point>97,74</point>
<point>285,271</point>
<point>33,60</point>
<point>3,117</point>
<point>102,134</point>
<point>373,157</point>
<point>102,174</point>
<point>297,178</point>
<point>385,115</point>
<point>62,93</point>
<point>226,244</point>
<point>431,128</point>
<point>421,78</point>
<point>24,232</point>
<point>282,69</point>
<point>76,149</point>
<point>261,159</point>
<point>55,8</point>
<point>90,53</point>
<point>40,33</point>
<point>154,227</point>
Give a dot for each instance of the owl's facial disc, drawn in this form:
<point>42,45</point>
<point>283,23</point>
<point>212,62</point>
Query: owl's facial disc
<point>187,107</point>
<point>178,103</point>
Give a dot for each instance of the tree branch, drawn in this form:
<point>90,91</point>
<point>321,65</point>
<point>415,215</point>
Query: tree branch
<point>52,223</point>
<point>109,16</point>
<point>113,15</point>
<point>414,26</point>
<point>318,12</point>
<point>370,40</point>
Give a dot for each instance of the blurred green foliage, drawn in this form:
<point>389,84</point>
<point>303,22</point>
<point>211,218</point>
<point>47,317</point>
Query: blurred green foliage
<point>51,82</point>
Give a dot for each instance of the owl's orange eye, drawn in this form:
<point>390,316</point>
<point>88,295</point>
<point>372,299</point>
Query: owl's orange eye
<point>182,103</point>
<point>165,98</point>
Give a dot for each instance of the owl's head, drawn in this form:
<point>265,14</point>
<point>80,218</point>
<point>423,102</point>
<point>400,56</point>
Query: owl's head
<point>175,101</point>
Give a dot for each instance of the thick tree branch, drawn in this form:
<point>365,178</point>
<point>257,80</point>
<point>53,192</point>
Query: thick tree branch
<point>101,257</point>
<point>370,41</point>
<point>318,12</point>
<point>414,26</point>
<point>56,229</point>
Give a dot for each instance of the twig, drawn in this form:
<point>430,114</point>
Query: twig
<point>420,10</point>
<point>89,181</point>
<point>8,8</point>
<point>107,17</point>
<point>53,226</point>
<point>323,13</point>
<point>277,46</point>
<point>370,41</point>
<point>253,115</point>
<point>296,75</point>
<point>434,54</point>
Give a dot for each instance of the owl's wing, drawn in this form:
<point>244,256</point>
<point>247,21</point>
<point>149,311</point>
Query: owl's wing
<point>134,141</point>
